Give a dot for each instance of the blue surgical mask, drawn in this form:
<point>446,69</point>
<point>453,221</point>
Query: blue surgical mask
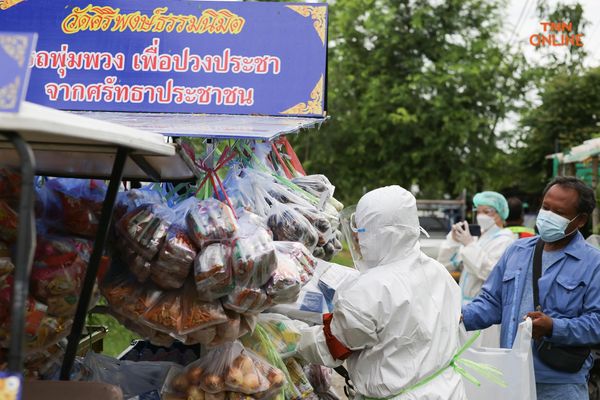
<point>552,226</point>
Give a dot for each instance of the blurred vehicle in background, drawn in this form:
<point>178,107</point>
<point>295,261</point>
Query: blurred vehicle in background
<point>437,217</point>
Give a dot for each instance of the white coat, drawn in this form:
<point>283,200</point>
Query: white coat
<point>401,315</point>
<point>478,258</point>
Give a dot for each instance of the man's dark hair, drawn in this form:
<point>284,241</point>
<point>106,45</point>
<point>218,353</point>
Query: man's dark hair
<point>587,198</point>
<point>515,209</point>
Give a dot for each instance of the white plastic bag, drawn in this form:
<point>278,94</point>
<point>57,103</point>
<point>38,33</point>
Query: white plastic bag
<point>516,365</point>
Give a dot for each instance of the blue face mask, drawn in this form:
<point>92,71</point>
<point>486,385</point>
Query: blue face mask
<point>552,226</point>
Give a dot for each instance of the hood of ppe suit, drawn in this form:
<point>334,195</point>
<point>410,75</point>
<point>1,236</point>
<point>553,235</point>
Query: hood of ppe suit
<point>391,226</point>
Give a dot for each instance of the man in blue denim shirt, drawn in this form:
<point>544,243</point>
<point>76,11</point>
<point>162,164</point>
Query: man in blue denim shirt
<point>569,289</point>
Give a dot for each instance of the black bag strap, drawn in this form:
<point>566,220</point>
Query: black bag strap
<point>343,372</point>
<point>537,272</point>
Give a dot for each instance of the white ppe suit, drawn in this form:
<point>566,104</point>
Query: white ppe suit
<point>400,316</point>
<point>478,258</point>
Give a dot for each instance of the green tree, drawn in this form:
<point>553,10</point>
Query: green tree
<point>569,113</point>
<point>416,94</point>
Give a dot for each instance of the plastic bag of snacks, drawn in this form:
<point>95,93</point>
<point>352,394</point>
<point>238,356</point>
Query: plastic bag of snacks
<point>288,224</point>
<point>298,377</point>
<point>210,221</point>
<point>253,257</point>
<point>285,283</point>
<point>145,228</point>
<point>127,297</point>
<point>321,224</point>
<point>304,261</point>
<point>145,332</point>
<point>8,223</point>
<point>57,273</point>
<point>131,199</point>
<point>139,267</point>
<point>6,268</point>
<point>317,185</point>
<point>41,330</point>
<point>212,272</point>
<point>10,186</point>
<point>247,300</point>
<point>229,367</point>
<point>199,315</point>
<point>166,313</point>
<point>81,204</point>
<point>283,333</point>
<point>260,342</point>
<point>175,259</point>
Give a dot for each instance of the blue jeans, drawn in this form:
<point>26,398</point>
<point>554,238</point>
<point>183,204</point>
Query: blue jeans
<point>570,391</point>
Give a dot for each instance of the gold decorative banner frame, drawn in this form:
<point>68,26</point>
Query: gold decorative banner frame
<point>312,106</point>
<point>318,14</point>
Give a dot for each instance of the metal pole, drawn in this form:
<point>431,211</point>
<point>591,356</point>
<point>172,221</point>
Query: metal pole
<point>92,269</point>
<point>24,256</point>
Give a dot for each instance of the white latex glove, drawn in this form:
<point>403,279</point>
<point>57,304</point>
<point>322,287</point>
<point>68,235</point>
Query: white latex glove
<point>461,234</point>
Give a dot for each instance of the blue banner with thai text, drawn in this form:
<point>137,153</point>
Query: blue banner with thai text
<point>180,56</point>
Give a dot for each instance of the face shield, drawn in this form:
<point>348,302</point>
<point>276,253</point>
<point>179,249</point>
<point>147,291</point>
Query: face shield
<point>351,231</point>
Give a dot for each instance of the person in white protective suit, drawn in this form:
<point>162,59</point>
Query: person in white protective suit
<point>397,323</point>
<point>478,256</point>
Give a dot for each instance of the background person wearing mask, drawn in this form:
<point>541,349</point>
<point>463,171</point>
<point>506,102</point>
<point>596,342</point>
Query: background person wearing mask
<point>569,289</point>
<point>397,323</point>
<point>478,256</point>
<point>515,219</point>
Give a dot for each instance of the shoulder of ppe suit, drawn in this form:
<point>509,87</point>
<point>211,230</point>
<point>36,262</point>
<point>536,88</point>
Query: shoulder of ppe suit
<point>372,290</point>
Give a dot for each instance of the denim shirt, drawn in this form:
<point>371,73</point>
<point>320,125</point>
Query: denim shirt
<point>569,292</point>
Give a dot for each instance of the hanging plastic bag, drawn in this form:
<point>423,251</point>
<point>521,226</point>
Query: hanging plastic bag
<point>283,333</point>
<point>129,200</point>
<point>288,224</point>
<point>145,228</point>
<point>260,343</point>
<point>285,283</point>
<point>138,265</point>
<point>8,223</point>
<point>127,297</point>
<point>298,377</point>
<point>211,221</point>
<point>41,329</point>
<point>81,204</point>
<point>253,257</point>
<point>516,366</point>
<point>10,186</point>
<point>175,259</point>
<point>165,314</point>
<point>213,272</point>
<point>229,367</point>
<point>303,259</point>
<point>199,315</point>
<point>134,378</point>
<point>57,274</point>
<point>247,300</point>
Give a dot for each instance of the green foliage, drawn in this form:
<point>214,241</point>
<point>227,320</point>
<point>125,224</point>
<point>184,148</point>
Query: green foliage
<point>416,92</point>
<point>568,115</point>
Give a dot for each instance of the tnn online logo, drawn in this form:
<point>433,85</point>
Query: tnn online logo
<point>556,34</point>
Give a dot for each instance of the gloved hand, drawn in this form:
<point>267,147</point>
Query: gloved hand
<point>461,234</point>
